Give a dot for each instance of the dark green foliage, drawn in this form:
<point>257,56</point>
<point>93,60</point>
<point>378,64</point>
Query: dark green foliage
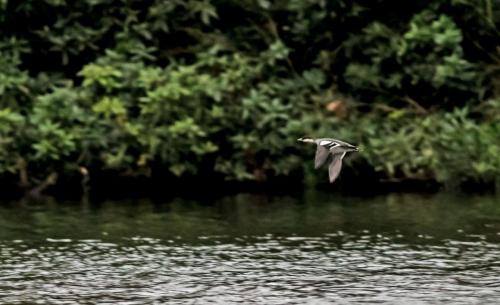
<point>225,87</point>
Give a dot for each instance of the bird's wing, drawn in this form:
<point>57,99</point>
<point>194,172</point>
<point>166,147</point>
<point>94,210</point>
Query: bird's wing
<point>321,155</point>
<point>335,166</point>
<point>334,150</point>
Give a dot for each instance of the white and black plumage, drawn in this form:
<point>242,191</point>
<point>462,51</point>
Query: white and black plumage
<point>328,146</point>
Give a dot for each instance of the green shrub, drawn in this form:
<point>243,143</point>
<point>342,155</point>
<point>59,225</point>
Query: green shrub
<point>226,87</point>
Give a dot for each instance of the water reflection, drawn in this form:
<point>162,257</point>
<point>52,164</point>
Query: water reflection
<point>253,249</point>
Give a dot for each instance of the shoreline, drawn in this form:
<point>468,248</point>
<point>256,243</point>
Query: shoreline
<point>117,187</point>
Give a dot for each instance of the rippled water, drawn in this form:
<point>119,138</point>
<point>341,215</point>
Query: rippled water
<point>317,248</point>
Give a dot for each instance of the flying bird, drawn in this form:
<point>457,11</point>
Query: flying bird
<point>329,146</point>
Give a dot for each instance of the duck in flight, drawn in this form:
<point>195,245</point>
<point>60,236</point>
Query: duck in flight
<point>330,146</point>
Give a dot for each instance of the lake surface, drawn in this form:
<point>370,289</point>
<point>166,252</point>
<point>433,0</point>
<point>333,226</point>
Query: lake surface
<point>315,248</point>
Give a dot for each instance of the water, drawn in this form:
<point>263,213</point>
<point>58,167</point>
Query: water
<point>312,249</point>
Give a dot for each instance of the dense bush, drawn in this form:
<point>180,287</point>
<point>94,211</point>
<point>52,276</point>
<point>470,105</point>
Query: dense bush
<point>225,87</point>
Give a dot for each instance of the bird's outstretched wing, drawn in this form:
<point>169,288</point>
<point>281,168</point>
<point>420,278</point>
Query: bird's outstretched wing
<point>335,166</point>
<point>321,155</point>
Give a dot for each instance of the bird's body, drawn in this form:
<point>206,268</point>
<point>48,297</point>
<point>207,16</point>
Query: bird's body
<point>329,146</point>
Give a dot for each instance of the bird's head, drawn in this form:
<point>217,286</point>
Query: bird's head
<point>306,139</point>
